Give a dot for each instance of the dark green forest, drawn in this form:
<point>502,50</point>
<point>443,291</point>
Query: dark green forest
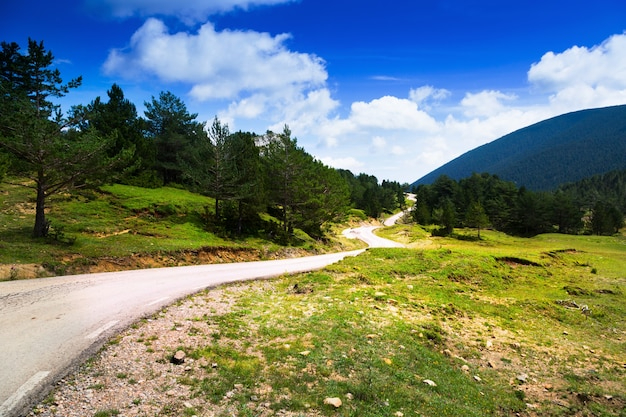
<point>595,205</point>
<point>543,156</point>
<point>107,141</point>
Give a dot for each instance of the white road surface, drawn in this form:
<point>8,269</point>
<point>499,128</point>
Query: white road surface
<point>49,325</point>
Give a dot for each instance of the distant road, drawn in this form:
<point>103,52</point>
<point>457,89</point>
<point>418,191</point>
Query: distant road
<point>366,234</point>
<point>50,325</point>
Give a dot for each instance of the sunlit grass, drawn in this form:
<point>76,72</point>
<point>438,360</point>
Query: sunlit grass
<point>371,329</point>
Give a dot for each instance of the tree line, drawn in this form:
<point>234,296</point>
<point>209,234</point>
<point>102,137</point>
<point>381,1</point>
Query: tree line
<point>485,200</point>
<point>107,141</point>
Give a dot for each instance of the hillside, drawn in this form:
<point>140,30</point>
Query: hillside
<point>542,156</point>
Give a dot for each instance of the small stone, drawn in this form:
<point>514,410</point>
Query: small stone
<point>429,382</point>
<point>214,365</point>
<point>488,344</point>
<point>305,353</point>
<point>334,401</point>
<point>522,378</point>
<point>448,353</point>
<point>608,397</point>
<point>477,378</point>
<point>178,358</point>
<point>565,332</point>
<point>349,396</point>
<point>465,368</point>
<point>399,414</point>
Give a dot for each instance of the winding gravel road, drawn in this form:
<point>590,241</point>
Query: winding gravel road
<point>50,325</point>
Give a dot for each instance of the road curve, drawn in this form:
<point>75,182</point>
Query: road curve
<point>366,234</point>
<point>49,325</point>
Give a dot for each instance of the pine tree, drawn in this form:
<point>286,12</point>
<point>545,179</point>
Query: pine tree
<point>50,149</point>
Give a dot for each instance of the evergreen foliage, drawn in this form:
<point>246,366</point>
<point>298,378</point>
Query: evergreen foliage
<point>374,198</point>
<point>173,132</point>
<point>482,200</point>
<point>48,148</point>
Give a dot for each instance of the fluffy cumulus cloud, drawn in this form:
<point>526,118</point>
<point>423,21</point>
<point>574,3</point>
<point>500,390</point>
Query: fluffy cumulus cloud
<point>485,103</point>
<point>190,11</point>
<point>211,61</point>
<point>594,76</point>
<point>391,113</point>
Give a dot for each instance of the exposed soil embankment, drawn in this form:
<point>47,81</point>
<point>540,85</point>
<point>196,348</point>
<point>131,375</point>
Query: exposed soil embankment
<point>77,264</point>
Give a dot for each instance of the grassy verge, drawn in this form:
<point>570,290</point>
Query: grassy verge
<point>494,327</point>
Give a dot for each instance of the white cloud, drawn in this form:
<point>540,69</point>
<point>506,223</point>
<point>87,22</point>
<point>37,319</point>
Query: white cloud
<point>189,11</point>
<point>601,65</point>
<point>211,62</point>
<point>485,103</point>
<point>398,150</point>
<point>582,77</point>
<point>378,142</point>
<point>392,113</point>
<point>384,78</point>
<point>426,94</point>
<point>273,84</point>
<point>349,163</point>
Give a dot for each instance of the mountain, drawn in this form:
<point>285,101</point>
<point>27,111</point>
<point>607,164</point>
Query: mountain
<point>543,156</point>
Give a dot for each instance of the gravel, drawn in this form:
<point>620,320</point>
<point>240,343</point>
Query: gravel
<point>133,375</point>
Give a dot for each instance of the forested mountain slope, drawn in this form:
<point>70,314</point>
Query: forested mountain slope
<point>543,156</point>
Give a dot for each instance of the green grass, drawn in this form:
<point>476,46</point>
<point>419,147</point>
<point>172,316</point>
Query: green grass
<point>115,222</point>
<point>371,329</point>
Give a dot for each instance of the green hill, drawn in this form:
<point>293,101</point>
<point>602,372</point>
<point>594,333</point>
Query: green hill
<point>542,156</point>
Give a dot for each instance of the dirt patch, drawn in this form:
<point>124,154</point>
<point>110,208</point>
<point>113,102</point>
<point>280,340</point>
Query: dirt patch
<point>534,370</point>
<point>513,261</point>
<point>22,271</point>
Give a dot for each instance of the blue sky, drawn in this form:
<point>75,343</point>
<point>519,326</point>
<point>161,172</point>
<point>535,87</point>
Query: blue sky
<point>390,88</point>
